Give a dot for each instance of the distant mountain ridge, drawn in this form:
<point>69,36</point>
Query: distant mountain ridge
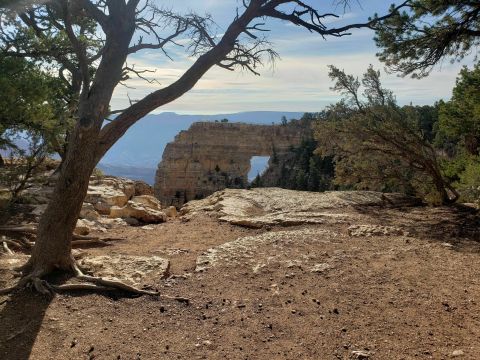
<point>137,154</point>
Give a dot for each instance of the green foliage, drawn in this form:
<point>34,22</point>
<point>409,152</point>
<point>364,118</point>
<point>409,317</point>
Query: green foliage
<point>468,183</point>
<point>23,166</point>
<point>459,118</point>
<point>378,145</point>
<point>302,169</point>
<point>31,103</point>
<point>257,182</point>
<point>459,134</point>
<point>98,173</point>
<point>414,41</point>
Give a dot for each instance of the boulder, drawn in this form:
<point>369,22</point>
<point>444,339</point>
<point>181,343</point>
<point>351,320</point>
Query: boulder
<point>102,207</point>
<point>131,221</point>
<point>139,212</point>
<point>171,211</point>
<point>148,201</point>
<point>88,212</point>
<point>104,197</point>
<point>142,188</point>
<point>111,223</point>
<point>83,227</point>
<point>124,185</point>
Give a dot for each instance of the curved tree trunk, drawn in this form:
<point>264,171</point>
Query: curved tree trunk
<point>52,249</point>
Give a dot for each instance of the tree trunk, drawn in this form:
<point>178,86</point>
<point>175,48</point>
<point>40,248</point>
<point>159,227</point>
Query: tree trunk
<point>441,187</point>
<point>52,248</point>
<point>53,245</point>
<point>2,162</point>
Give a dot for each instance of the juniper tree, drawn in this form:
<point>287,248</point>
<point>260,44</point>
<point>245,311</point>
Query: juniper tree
<point>378,145</point>
<point>91,43</point>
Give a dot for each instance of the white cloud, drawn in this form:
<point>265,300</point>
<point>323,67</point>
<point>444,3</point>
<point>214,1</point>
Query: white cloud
<point>299,81</point>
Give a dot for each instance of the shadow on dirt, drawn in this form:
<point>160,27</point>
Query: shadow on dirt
<point>21,318</point>
<point>457,225</point>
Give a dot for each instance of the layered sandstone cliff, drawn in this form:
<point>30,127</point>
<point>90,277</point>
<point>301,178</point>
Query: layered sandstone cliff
<point>212,156</point>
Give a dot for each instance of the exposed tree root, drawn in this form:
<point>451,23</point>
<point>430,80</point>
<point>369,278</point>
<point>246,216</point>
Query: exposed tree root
<point>109,283</point>
<point>89,283</point>
<point>84,237</point>
<point>30,229</point>
<point>77,240</point>
<point>90,242</point>
<point>70,287</point>
<point>6,248</point>
<point>14,243</point>
<point>21,283</point>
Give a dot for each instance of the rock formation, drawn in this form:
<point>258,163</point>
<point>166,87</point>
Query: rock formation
<point>262,207</point>
<point>110,201</point>
<point>213,156</point>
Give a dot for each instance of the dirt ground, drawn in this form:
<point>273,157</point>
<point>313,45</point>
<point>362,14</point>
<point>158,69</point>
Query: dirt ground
<point>410,296</point>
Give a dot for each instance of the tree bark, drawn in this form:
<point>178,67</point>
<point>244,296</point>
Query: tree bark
<point>53,246</point>
<point>2,162</point>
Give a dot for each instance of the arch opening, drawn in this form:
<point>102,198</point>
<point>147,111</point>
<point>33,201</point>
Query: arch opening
<point>258,165</point>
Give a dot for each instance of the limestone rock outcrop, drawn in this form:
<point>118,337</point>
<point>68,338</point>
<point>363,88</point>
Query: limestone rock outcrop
<point>142,188</point>
<point>260,207</point>
<point>111,201</point>
<point>148,201</point>
<point>88,212</point>
<point>138,211</point>
<point>213,156</point>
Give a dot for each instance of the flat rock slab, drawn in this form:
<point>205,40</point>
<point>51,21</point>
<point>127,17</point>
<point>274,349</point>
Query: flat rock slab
<point>274,206</point>
<point>286,219</point>
<point>375,230</point>
<point>128,268</point>
<point>281,248</point>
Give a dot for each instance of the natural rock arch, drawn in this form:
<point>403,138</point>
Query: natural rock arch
<point>211,156</point>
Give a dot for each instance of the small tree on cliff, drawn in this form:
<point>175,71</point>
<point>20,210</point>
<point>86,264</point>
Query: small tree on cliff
<point>90,41</point>
<point>378,145</point>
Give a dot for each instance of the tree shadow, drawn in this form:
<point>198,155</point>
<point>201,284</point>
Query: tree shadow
<point>21,318</point>
<point>457,225</point>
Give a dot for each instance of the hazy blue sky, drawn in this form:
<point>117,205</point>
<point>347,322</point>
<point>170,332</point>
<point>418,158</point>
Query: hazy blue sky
<point>299,80</point>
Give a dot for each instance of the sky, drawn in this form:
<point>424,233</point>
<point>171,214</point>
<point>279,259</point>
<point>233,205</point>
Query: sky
<point>298,81</point>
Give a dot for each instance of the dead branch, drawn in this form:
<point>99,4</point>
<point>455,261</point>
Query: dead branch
<point>77,240</point>
<point>89,242</point>
<point>30,229</point>
<point>12,243</point>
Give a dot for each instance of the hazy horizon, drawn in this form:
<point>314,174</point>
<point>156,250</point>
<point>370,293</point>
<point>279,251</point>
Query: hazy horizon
<point>299,79</point>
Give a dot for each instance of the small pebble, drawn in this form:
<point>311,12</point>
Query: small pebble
<point>458,353</point>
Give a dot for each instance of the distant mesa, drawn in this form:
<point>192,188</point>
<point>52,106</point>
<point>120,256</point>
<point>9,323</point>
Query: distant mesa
<point>212,156</point>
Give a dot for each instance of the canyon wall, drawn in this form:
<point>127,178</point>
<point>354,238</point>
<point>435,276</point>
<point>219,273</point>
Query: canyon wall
<point>211,156</point>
